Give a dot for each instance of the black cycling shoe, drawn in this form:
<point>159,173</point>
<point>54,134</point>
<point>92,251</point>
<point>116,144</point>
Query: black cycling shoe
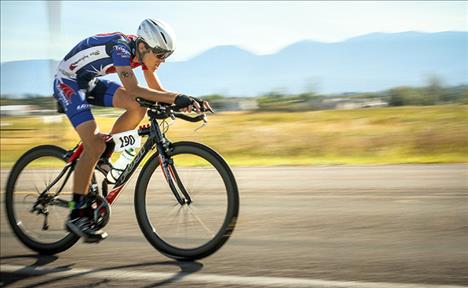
<point>83,227</point>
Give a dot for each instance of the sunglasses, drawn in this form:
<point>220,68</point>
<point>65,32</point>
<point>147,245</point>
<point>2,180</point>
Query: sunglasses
<point>161,53</point>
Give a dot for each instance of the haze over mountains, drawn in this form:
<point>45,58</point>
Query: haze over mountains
<point>372,62</point>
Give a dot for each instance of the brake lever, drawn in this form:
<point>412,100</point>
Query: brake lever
<point>173,120</point>
<point>170,111</point>
<point>205,122</point>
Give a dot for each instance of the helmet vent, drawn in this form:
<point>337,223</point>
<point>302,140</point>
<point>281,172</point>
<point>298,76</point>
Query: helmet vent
<point>153,22</point>
<point>164,37</point>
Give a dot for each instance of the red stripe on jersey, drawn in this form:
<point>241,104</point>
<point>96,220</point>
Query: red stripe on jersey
<point>133,65</point>
<point>67,90</point>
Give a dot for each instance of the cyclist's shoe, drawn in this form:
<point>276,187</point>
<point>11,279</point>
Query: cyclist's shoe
<point>83,227</point>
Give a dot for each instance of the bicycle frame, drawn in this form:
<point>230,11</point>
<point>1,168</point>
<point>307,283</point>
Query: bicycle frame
<point>156,138</point>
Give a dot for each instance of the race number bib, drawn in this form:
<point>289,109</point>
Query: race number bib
<point>127,139</point>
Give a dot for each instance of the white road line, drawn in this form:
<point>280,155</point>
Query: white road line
<point>120,274</point>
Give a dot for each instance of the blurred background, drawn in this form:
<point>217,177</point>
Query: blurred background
<point>315,82</point>
<point>311,98</point>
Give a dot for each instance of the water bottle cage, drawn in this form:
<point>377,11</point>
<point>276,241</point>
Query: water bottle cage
<point>110,178</point>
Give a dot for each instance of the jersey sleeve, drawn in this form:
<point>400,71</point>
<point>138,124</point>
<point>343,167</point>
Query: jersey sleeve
<point>121,55</point>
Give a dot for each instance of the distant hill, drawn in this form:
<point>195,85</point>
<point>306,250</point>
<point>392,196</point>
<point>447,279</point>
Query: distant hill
<point>27,77</point>
<point>370,62</point>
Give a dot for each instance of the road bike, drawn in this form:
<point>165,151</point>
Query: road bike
<point>186,197</point>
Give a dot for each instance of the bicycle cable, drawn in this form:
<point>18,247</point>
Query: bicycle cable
<point>164,126</point>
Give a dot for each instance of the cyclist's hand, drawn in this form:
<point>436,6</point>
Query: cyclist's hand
<point>188,104</point>
<point>201,105</point>
<point>206,106</point>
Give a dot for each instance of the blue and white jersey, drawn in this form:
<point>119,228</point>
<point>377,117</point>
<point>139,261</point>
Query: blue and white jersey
<point>97,56</point>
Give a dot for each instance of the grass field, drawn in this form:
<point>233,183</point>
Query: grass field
<point>431,134</point>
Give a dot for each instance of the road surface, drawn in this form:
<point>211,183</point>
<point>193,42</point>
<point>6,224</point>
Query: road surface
<point>336,226</point>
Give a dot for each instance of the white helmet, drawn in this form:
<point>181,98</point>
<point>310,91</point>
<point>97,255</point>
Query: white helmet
<point>158,35</point>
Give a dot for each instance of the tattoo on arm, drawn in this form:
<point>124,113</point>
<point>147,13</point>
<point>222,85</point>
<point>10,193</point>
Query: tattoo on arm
<point>126,74</point>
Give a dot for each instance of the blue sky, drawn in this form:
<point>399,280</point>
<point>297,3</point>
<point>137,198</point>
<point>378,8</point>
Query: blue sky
<point>261,27</point>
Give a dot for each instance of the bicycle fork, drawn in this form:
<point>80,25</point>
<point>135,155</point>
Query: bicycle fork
<point>173,178</point>
<point>168,167</point>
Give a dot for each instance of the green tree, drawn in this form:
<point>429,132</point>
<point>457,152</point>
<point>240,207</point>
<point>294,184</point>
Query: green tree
<point>433,91</point>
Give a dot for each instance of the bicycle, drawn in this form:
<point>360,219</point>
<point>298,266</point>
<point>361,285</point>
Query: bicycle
<point>187,219</point>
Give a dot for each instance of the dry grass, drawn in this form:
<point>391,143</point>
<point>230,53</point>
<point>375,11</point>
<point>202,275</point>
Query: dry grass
<point>434,134</point>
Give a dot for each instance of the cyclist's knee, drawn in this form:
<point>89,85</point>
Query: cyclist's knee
<point>141,112</point>
<point>135,109</point>
<point>134,106</point>
<point>94,147</point>
<point>125,100</point>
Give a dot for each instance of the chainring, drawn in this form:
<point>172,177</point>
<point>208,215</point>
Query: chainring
<point>101,211</point>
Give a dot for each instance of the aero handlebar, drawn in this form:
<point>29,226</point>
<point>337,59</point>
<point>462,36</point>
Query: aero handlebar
<point>163,111</point>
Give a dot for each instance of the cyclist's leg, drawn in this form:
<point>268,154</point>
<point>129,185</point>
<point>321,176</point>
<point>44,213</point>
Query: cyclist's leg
<point>110,94</point>
<point>79,113</point>
<point>94,145</point>
<point>132,116</point>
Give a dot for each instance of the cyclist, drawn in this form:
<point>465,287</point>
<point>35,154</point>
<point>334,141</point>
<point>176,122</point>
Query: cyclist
<point>76,86</point>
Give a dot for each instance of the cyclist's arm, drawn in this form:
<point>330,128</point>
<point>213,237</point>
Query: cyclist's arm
<point>153,81</point>
<point>130,84</point>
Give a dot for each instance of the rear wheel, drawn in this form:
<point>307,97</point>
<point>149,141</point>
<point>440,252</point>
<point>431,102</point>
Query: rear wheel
<point>30,176</point>
<point>196,229</point>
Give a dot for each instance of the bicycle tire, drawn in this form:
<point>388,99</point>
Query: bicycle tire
<point>232,196</point>
<point>43,248</point>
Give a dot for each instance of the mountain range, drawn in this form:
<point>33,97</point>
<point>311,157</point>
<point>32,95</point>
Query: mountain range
<point>371,62</point>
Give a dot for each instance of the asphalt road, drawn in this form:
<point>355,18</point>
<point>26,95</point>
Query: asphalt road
<point>338,226</point>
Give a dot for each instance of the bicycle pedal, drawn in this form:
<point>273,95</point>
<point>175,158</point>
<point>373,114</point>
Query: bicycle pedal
<point>92,241</point>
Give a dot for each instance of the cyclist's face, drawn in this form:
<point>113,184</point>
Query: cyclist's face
<point>150,59</point>
<point>153,60</point>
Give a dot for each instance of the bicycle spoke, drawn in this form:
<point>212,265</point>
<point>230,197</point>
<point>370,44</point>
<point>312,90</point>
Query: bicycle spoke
<point>177,212</point>
<point>179,221</point>
<point>185,227</point>
<point>37,190</point>
<point>206,211</point>
<point>197,228</point>
<point>202,223</point>
<point>45,180</point>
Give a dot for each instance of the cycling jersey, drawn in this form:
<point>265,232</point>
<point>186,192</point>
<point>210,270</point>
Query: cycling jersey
<point>97,56</point>
<point>75,85</point>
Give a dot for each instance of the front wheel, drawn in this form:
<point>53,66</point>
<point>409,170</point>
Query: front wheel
<point>196,228</point>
